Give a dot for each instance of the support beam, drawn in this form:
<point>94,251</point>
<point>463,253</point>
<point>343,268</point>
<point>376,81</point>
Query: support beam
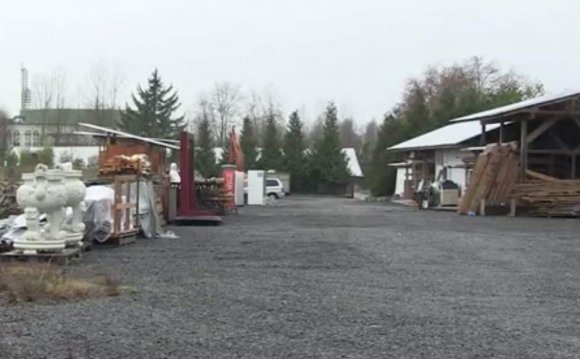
<point>501,130</point>
<point>540,130</point>
<point>483,140</point>
<point>553,112</point>
<point>559,141</point>
<point>551,152</point>
<point>523,149</point>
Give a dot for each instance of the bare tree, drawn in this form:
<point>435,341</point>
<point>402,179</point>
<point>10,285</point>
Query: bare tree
<point>226,98</point>
<point>204,111</point>
<point>105,84</point>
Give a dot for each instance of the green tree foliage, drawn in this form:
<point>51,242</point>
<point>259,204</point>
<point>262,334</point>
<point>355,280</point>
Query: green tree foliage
<point>153,112</point>
<point>248,143</point>
<point>294,157</point>
<point>30,159</point>
<point>440,95</point>
<point>271,155</point>
<point>329,165</point>
<point>205,160</point>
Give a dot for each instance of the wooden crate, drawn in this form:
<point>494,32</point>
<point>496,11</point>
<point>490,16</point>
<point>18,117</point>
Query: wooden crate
<point>67,256</point>
<point>123,220</point>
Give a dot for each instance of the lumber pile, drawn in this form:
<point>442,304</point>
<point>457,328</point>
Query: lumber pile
<point>548,196</point>
<point>121,164</point>
<point>8,204</point>
<point>493,178</point>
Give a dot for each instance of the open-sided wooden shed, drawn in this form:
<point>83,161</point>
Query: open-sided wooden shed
<point>117,143</point>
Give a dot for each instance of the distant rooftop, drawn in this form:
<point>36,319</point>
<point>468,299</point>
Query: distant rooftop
<point>446,136</point>
<point>71,117</point>
<point>547,100</point>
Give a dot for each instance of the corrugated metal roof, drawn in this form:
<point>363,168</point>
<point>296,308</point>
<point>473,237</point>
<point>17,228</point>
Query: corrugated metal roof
<point>449,135</point>
<point>128,135</point>
<point>519,106</point>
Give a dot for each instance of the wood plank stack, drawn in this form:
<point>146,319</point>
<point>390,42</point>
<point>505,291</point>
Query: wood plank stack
<point>8,204</point>
<point>494,175</point>
<point>548,196</point>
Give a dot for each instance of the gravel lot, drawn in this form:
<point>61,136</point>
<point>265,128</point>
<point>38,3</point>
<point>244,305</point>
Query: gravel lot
<point>324,278</point>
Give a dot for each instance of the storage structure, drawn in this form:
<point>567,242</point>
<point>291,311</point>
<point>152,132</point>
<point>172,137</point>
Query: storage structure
<point>256,187</point>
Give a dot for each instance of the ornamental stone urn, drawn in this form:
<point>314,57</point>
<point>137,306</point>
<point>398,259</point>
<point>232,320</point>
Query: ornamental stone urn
<point>42,192</point>
<point>75,194</point>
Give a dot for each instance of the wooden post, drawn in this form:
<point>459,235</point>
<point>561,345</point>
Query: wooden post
<point>523,149</point>
<point>483,140</point>
<point>501,129</point>
<point>513,206</point>
<point>573,166</point>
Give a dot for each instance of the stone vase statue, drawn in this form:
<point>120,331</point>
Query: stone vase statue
<point>75,195</point>
<point>46,193</point>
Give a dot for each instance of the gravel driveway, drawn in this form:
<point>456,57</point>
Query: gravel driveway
<point>324,278</point>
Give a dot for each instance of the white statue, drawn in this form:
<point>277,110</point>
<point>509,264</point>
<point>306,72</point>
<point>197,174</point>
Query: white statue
<point>43,191</point>
<point>75,195</point>
<point>174,176</point>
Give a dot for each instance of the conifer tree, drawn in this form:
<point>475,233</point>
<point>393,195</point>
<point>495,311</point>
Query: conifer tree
<point>271,156</point>
<point>294,157</point>
<point>205,156</point>
<point>248,143</point>
<point>328,161</point>
<point>152,114</point>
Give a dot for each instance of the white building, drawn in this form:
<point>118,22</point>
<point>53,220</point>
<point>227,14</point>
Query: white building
<point>38,128</point>
<point>441,154</point>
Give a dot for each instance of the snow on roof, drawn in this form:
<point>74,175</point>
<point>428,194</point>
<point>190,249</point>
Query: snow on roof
<point>449,135</point>
<point>352,162</point>
<point>520,106</point>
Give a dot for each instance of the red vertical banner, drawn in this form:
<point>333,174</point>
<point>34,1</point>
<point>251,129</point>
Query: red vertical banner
<point>229,176</point>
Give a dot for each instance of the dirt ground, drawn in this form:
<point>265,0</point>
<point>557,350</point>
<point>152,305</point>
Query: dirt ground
<point>324,278</point>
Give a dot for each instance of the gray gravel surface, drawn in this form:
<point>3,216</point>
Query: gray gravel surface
<point>324,278</point>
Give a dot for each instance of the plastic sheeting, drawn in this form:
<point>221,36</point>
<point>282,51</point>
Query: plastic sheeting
<point>98,217</point>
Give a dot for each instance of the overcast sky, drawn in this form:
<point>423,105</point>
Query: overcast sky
<point>358,53</point>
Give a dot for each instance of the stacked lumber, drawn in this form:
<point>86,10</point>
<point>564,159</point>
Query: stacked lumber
<point>136,164</point>
<point>494,175</point>
<point>548,196</point>
<point>8,204</point>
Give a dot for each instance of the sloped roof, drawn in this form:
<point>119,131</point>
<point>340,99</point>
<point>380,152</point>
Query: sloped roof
<point>128,135</point>
<point>449,135</point>
<point>520,106</point>
<point>71,117</point>
<point>352,162</point>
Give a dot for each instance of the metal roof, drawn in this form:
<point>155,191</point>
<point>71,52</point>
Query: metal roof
<point>520,106</point>
<point>449,135</point>
<point>128,135</point>
<point>352,162</point>
<point>98,134</point>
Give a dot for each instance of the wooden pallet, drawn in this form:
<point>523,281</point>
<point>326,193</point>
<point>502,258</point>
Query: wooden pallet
<point>66,257</point>
<point>119,240</point>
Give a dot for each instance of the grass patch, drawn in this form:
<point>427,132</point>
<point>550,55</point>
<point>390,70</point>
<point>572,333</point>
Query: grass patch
<point>45,282</point>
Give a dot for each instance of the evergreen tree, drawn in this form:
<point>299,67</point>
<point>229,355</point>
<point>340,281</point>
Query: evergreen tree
<point>205,160</point>
<point>271,156</point>
<point>294,157</point>
<point>248,143</point>
<point>329,163</point>
<point>152,115</point>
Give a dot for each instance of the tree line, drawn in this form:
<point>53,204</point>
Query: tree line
<point>310,151</point>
